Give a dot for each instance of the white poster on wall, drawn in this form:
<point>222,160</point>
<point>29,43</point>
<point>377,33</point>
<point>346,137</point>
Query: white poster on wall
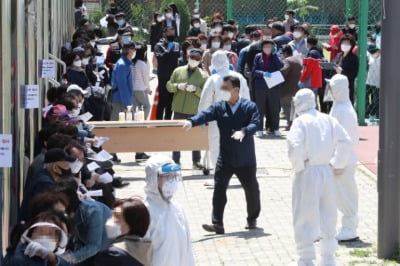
<point>30,96</point>
<point>47,68</point>
<point>5,150</point>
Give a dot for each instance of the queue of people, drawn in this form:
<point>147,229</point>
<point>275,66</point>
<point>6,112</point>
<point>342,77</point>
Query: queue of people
<point>69,214</point>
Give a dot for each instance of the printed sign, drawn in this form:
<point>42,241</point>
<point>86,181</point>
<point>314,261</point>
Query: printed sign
<point>47,68</point>
<point>5,150</point>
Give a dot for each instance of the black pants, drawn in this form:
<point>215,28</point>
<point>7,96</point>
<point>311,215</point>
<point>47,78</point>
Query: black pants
<point>248,179</point>
<point>325,107</point>
<point>176,155</point>
<point>164,111</point>
<point>269,105</point>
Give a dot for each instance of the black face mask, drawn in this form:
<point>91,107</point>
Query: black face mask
<point>65,173</point>
<point>171,38</point>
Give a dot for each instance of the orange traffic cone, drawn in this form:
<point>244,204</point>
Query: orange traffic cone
<point>153,111</point>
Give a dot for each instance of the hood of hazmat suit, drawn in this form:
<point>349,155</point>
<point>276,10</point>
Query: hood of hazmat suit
<point>168,230</point>
<point>212,93</point>
<point>316,143</point>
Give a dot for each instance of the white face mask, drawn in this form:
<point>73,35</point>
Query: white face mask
<point>159,19</point>
<point>46,242</point>
<point>203,46</point>
<point>286,17</point>
<point>352,26</point>
<point>196,25</point>
<point>169,188</point>
<point>225,96</point>
<point>75,113</point>
<point>215,45</point>
<point>230,35</point>
<point>77,63</point>
<point>297,34</point>
<point>133,55</point>
<point>345,47</point>
<point>193,63</point>
<point>113,229</point>
<point>85,61</point>
<point>169,15</point>
<point>76,166</point>
<point>227,47</point>
<point>267,50</point>
<point>218,29</point>
<point>266,37</point>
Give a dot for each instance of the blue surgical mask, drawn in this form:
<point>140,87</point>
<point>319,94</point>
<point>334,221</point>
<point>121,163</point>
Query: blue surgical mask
<point>125,39</point>
<point>121,22</point>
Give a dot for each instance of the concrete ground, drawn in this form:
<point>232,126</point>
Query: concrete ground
<point>273,244</point>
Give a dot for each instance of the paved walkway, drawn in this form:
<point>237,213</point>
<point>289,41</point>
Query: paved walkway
<point>274,243</point>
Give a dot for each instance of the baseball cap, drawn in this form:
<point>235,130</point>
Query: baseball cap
<point>57,155</point>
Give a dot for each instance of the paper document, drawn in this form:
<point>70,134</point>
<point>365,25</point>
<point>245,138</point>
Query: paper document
<point>92,166</point>
<point>101,156</point>
<point>106,178</point>
<point>95,193</point>
<point>275,79</point>
<point>85,117</point>
<point>100,141</point>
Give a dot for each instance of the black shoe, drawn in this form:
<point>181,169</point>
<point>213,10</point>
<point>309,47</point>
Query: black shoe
<point>251,225</point>
<point>119,183</point>
<point>115,158</point>
<point>214,228</point>
<point>198,166</point>
<point>141,156</point>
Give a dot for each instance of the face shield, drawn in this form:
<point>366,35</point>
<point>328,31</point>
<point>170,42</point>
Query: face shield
<point>168,177</point>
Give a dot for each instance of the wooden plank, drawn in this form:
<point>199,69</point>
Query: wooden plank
<point>153,139</point>
<point>146,123</point>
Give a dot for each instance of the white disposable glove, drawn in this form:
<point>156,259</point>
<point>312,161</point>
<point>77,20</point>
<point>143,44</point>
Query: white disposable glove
<point>35,249</point>
<point>191,88</point>
<point>187,125</point>
<point>181,86</point>
<point>238,135</point>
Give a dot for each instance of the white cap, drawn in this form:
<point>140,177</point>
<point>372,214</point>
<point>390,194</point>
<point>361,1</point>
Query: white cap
<point>75,87</point>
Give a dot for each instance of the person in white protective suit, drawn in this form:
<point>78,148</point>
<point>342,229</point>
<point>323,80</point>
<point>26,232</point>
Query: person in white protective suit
<point>212,93</point>
<point>346,186</point>
<point>168,230</point>
<point>318,150</point>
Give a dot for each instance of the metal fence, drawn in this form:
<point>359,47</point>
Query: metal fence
<point>321,14</point>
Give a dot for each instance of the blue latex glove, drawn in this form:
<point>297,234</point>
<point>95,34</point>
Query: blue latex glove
<point>213,72</point>
<point>231,67</point>
<point>267,74</point>
<point>170,45</point>
<point>301,84</point>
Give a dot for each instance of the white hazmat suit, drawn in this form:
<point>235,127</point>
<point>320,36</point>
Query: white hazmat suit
<point>212,93</point>
<point>168,230</point>
<point>317,145</point>
<point>346,186</point>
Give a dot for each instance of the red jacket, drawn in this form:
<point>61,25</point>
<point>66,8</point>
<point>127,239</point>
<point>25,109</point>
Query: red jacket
<point>313,69</point>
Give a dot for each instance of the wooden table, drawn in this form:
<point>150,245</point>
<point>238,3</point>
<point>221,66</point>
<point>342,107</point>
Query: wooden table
<point>150,136</point>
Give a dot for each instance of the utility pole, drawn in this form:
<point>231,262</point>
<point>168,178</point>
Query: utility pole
<point>389,141</point>
<point>229,7</point>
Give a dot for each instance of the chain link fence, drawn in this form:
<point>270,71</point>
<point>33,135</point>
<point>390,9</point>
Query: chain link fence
<point>321,14</point>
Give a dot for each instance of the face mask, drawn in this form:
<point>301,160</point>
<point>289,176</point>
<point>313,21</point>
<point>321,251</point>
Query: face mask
<point>113,229</point>
<point>218,29</point>
<point>75,113</point>
<point>169,15</point>
<point>227,47</point>
<point>76,166</point>
<point>266,37</point>
<point>193,63</point>
<point>286,17</point>
<point>267,50</point>
<point>125,39</point>
<point>133,55</point>
<point>159,19</point>
<point>47,242</point>
<point>203,46</point>
<point>169,188</point>
<point>77,63</point>
<point>85,61</point>
<point>215,45</point>
<point>352,26</point>
<point>65,172</point>
<point>171,38</point>
<point>225,95</point>
<point>297,34</point>
<point>230,35</point>
<point>196,25</point>
<point>121,22</point>
<point>345,47</point>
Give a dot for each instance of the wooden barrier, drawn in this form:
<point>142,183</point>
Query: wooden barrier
<point>150,136</point>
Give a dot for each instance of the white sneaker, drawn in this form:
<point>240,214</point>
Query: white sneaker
<point>277,133</point>
<point>346,234</point>
<point>327,262</point>
<point>259,134</point>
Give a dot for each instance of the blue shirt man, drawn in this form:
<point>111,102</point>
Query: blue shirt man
<point>237,120</point>
<point>122,80</point>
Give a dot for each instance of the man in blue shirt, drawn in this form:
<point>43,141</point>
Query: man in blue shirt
<point>237,120</point>
<point>122,81</point>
